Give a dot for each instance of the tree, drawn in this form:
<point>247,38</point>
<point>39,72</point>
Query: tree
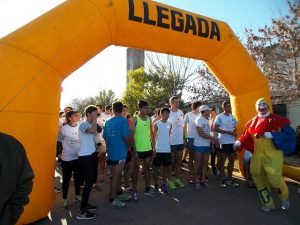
<point>173,74</point>
<point>103,98</point>
<point>163,77</point>
<point>207,88</point>
<point>80,104</point>
<point>276,51</point>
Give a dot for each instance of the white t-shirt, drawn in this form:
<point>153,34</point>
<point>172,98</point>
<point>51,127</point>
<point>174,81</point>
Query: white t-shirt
<point>189,119</point>
<point>176,119</point>
<point>162,143</point>
<point>103,118</point>
<point>227,123</point>
<point>70,142</point>
<point>87,141</point>
<point>204,124</point>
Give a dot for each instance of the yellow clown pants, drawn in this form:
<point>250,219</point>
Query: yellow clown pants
<point>266,169</point>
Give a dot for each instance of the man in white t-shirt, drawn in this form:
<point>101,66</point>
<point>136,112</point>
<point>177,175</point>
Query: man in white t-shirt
<point>176,138</point>
<point>225,126</point>
<point>190,133</point>
<point>88,160</point>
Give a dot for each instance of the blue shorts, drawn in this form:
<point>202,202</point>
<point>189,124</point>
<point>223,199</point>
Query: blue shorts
<point>201,149</point>
<point>247,156</point>
<point>190,143</point>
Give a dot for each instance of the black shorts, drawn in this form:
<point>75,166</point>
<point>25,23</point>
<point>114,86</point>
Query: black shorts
<point>177,148</point>
<point>128,157</point>
<point>227,148</point>
<point>114,162</point>
<point>144,155</point>
<point>164,159</point>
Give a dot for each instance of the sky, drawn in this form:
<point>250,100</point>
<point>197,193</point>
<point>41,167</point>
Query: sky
<point>237,13</point>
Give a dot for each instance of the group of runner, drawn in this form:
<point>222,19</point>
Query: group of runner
<point>123,145</point>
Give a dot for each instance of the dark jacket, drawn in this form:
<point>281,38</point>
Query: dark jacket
<point>16,178</point>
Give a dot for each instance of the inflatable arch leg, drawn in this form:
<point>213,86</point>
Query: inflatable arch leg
<point>36,58</point>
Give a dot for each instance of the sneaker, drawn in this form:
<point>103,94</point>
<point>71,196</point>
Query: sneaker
<point>77,199</point>
<point>123,197</point>
<point>66,204</point>
<point>222,184</point>
<point>232,183</point>
<point>266,208</point>
<point>117,204</point>
<point>184,161</point>
<point>148,193</point>
<point>285,204</point>
<point>197,186</point>
<point>191,180</point>
<point>86,216</point>
<point>171,185</point>
<point>127,189</point>
<point>97,188</point>
<point>57,190</point>
<point>178,183</point>
<point>156,192</point>
<point>134,196</point>
<point>164,189</point>
<point>91,207</point>
<point>204,184</point>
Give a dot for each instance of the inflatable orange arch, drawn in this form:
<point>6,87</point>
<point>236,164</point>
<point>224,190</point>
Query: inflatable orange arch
<point>35,59</point>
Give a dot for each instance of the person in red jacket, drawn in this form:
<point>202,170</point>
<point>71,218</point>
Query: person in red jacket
<point>271,136</point>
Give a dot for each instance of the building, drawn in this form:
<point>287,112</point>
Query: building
<point>135,60</point>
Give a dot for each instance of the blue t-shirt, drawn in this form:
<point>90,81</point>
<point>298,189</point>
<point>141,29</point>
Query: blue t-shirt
<point>115,130</point>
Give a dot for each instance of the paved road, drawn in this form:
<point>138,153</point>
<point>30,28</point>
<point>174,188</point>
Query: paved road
<point>210,206</point>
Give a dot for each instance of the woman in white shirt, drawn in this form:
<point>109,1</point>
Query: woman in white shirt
<point>69,163</point>
<point>202,142</point>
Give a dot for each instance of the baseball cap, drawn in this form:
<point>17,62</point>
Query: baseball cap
<point>204,108</point>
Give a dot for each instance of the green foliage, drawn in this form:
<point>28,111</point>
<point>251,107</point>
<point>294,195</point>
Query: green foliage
<point>103,98</point>
<point>166,76</point>
<point>148,86</point>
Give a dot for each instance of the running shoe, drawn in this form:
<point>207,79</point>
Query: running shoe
<point>179,183</point>
<point>191,180</point>
<point>123,197</point>
<point>184,161</point>
<point>117,204</point>
<point>198,186</point>
<point>232,183</point>
<point>127,189</point>
<point>222,184</point>
<point>164,189</point>
<point>148,193</point>
<point>97,188</point>
<point>135,196</point>
<point>171,185</point>
<point>86,216</point>
<point>156,192</point>
<point>266,208</point>
<point>204,184</point>
<point>285,204</point>
<point>66,204</point>
<point>91,207</point>
<point>57,190</point>
<point>77,199</point>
